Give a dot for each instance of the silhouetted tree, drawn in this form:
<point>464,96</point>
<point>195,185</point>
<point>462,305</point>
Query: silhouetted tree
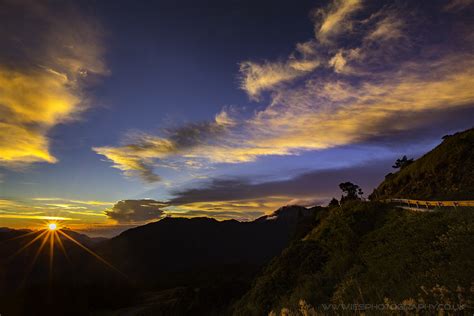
<point>402,162</point>
<point>334,202</point>
<point>351,192</point>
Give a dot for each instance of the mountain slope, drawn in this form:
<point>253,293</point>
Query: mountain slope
<point>372,252</point>
<point>368,252</point>
<point>445,173</point>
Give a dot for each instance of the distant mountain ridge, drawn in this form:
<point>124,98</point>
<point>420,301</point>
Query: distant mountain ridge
<point>175,244</point>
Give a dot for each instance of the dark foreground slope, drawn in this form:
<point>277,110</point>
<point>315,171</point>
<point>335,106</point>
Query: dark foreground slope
<point>66,281</point>
<point>445,173</point>
<point>370,253</point>
<point>175,266</point>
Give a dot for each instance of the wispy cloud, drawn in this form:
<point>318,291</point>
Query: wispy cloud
<point>334,19</point>
<point>35,217</point>
<point>24,212</point>
<point>388,28</point>
<point>256,77</point>
<point>42,75</point>
<point>86,202</point>
<point>143,151</point>
<point>90,213</point>
<point>367,67</point>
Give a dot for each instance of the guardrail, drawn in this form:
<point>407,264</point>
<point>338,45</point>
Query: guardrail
<point>431,204</point>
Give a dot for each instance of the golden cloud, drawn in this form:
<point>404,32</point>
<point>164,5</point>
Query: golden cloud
<point>136,158</point>
<point>256,77</point>
<point>389,28</point>
<point>140,155</point>
<point>329,22</point>
<point>24,213</point>
<point>324,115</point>
<point>38,217</point>
<point>85,202</point>
<point>41,86</point>
<point>335,18</point>
<point>343,95</point>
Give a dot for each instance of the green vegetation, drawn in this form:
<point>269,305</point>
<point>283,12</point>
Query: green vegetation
<point>369,252</point>
<point>445,173</point>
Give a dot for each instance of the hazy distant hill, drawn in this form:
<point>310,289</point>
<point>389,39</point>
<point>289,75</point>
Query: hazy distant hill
<point>199,266</point>
<point>174,245</point>
<point>446,172</point>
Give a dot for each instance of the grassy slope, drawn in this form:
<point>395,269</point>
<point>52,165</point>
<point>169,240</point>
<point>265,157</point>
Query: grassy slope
<point>371,253</point>
<point>446,172</point>
<point>375,253</point>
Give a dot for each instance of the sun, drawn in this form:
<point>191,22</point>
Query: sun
<point>52,226</point>
<point>53,235</point>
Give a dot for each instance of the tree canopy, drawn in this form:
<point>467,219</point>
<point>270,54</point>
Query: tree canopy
<point>350,191</point>
<point>402,162</point>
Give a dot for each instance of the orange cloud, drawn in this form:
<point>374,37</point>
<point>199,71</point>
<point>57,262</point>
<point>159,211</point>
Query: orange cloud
<point>42,86</point>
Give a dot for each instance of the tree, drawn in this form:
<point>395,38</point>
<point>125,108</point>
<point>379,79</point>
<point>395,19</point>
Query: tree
<point>333,203</point>
<point>402,162</point>
<point>350,191</point>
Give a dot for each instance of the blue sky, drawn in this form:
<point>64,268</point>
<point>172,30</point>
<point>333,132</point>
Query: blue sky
<point>157,100</point>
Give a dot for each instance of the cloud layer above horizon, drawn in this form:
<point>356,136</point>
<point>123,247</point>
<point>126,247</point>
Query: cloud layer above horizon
<point>369,64</point>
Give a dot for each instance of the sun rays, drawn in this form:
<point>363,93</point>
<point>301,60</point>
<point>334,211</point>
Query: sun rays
<point>49,238</point>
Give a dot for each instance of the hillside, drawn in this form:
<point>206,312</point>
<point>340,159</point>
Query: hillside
<point>368,252</point>
<point>172,266</point>
<point>445,173</point>
<point>372,252</point>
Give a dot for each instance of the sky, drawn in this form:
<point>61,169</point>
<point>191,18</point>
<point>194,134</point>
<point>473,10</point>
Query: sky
<point>114,114</point>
